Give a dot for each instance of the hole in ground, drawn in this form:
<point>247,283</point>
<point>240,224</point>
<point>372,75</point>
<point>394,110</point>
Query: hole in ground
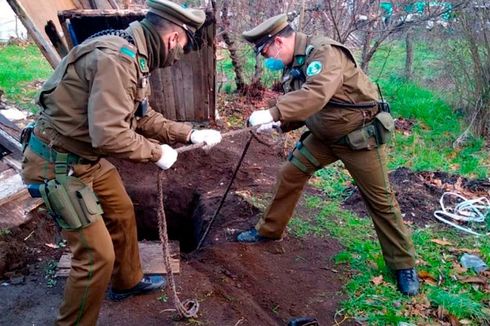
<point>185,219</point>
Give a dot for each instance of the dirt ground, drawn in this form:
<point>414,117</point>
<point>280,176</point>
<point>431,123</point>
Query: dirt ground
<point>265,284</point>
<point>236,284</point>
<point>418,193</point>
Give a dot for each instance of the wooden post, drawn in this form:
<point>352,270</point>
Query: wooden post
<point>46,48</point>
<point>113,4</point>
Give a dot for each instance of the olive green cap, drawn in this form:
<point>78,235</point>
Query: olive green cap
<point>190,19</point>
<point>264,32</point>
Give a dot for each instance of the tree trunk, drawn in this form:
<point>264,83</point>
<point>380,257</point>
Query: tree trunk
<point>230,43</point>
<point>258,70</point>
<point>409,55</point>
<point>365,50</point>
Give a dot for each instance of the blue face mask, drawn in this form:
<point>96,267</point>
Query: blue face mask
<point>274,64</point>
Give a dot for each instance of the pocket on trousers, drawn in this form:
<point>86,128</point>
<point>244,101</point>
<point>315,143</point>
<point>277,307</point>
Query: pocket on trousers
<point>89,203</point>
<point>361,138</point>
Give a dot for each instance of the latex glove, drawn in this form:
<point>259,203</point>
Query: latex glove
<point>260,117</point>
<point>208,136</point>
<point>268,127</point>
<point>168,158</point>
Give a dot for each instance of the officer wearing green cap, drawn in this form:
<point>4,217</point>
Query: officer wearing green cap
<point>96,105</point>
<point>325,90</point>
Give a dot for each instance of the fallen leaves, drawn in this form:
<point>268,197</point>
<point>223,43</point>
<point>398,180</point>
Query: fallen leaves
<point>427,278</point>
<point>377,280</point>
<point>442,242</point>
<point>473,279</point>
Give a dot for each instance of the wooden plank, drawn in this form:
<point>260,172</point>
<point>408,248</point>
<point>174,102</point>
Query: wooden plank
<point>150,254</point>
<point>188,89</point>
<point>211,66</point>
<point>10,187</point>
<point>40,38</point>
<point>200,98</point>
<point>113,4</point>
<point>16,212</point>
<point>179,95</point>
<point>53,35</point>
<point>12,162</point>
<point>10,143</point>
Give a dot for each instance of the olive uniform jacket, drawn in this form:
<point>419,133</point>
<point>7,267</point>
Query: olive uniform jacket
<point>95,103</point>
<point>324,72</point>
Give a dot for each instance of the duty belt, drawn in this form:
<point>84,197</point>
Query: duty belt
<point>49,154</point>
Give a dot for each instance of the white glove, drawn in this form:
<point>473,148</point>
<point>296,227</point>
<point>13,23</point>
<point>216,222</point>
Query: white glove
<point>269,127</point>
<point>168,158</point>
<point>208,136</point>
<point>260,117</point>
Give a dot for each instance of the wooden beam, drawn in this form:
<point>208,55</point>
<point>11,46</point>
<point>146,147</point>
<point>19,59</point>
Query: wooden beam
<point>10,143</point>
<point>113,4</point>
<point>55,38</point>
<point>47,49</point>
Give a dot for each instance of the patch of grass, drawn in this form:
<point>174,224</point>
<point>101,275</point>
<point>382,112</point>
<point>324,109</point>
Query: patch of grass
<point>378,302</point>
<point>429,145</point>
<point>50,273</point>
<point>19,66</point>
<point>4,232</point>
<point>163,298</point>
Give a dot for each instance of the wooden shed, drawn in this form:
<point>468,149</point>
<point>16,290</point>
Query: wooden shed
<point>183,92</point>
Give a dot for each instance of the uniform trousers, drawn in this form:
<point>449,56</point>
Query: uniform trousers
<point>104,251</point>
<point>368,169</point>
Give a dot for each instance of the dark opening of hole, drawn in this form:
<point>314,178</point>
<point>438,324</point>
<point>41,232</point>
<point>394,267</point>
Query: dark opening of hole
<point>184,216</point>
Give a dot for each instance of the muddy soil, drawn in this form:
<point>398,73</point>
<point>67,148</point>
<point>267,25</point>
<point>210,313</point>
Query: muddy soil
<point>236,284</point>
<point>418,193</point>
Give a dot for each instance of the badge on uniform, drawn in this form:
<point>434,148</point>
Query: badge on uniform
<point>314,68</point>
<point>143,65</point>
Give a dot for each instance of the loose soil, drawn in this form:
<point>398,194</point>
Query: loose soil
<point>418,193</point>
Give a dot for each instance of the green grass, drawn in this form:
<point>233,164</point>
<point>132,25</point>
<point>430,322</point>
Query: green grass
<point>382,304</point>
<point>429,145</point>
<point>20,66</point>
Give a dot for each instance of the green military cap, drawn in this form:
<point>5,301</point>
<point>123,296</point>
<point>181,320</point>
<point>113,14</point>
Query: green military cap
<point>190,19</point>
<point>264,32</point>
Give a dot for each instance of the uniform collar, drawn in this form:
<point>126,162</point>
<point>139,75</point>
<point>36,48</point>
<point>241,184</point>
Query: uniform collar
<point>139,38</point>
<point>300,43</point>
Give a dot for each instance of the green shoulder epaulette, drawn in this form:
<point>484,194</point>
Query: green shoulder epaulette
<point>128,52</point>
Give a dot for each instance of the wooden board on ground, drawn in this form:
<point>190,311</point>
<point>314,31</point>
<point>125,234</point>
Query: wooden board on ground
<point>15,211</point>
<point>151,259</point>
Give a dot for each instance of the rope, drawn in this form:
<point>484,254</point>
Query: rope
<point>467,210</point>
<point>189,308</point>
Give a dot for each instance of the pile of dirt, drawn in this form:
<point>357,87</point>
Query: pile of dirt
<point>24,246</point>
<point>418,193</point>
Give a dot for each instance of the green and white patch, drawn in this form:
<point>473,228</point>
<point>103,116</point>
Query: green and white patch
<point>314,68</point>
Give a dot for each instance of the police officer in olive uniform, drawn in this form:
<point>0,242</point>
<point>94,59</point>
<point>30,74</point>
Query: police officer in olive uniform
<point>95,105</point>
<point>327,91</point>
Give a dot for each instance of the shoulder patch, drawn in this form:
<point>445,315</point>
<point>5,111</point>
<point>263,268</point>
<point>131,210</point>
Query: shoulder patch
<point>314,68</point>
<point>128,52</point>
<point>143,64</point>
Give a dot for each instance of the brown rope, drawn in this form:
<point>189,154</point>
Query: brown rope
<point>190,307</point>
